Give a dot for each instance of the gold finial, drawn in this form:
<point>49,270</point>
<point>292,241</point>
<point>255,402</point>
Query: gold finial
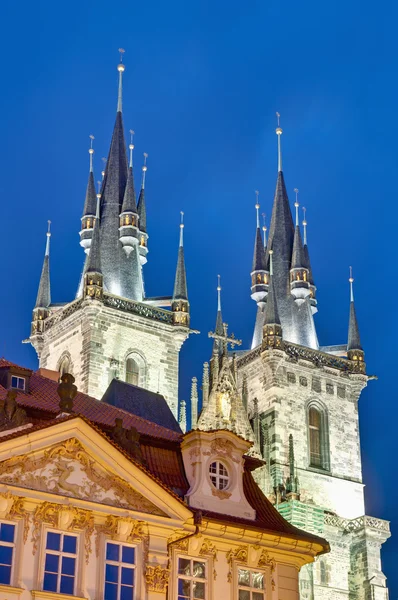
<point>48,234</point>
<point>296,204</point>
<point>257,206</point>
<point>181,228</point>
<point>91,151</point>
<point>131,148</point>
<point>278,132</point>
<point>351,280</point>
<point>144,170</point>
<point>121,69</point>
<point>219,293</point>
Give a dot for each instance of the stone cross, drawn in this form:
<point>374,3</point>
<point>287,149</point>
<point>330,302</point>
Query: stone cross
<point>225,339</point>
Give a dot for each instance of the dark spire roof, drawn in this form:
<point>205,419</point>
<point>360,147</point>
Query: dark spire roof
<point>259,263</point>
<point>141,200</point>
<point>354,340</point>
<point>307,263</point>
<point>298,252</point>
<point>180,283</point>
<point>44,293</point>
<point>94,257</point>
<point>271,309</point>
<point>129,203</point>
<point>90,202</point>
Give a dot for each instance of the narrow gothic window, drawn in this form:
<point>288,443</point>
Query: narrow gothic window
<point>132,371</point>
<point>317,438</point>
<point>64,366</point>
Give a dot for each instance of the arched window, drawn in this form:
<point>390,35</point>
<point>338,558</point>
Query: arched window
<point>132,372</point>
<point>318,437</point>
<point>65,364</point>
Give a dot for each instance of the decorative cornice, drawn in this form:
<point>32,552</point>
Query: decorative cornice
<point>124,529</point>
<point>138,308</point>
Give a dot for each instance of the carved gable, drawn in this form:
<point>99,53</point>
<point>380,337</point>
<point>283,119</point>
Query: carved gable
<point>67,469</point>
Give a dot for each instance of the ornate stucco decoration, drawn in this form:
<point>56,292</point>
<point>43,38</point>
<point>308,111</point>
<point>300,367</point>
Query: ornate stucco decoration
<point>66,518</point>
<point>69,470</point>
<point>238,554</point>
<point>178,542</point>
<point>157,578</point>
<point>266,561</point>
<point>223,447</point>
<point>13,507</point>
<point>221,494</point>
<point>208,549</point>
<point>126,530</point>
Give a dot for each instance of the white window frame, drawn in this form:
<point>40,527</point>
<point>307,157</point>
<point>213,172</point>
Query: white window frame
<point>13,545</point>
<point>18,378</point>
<point>264,572</point>
<point>78,569</point>
<point>218,476</point>
<point>191,578</point>
<point>120,564</point>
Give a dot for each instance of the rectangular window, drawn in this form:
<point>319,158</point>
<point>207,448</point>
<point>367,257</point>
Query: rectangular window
<point>251,585</point>
<point>17,383</point>
<point>119,572</point>
<point>7,536</point>
<point>191,579</point>
<point>60,563</point>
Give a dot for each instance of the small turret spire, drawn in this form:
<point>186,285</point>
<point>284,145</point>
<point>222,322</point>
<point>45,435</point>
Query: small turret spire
<point>305,225</point>
<point>272,330</point>
<point>182,230</point>
<point>351,280</point>
<point>91,152</point>
<point>180,304</point>
<point>296,204</point>
<point>131,148</point>
<point>354,349</point>
<point>121,69</point>
<point>144,170</point>
<point>43,299</point>
<point>219,293</point>
<point>278,132</point>
<point>264,232</point>
<point>257,209</point>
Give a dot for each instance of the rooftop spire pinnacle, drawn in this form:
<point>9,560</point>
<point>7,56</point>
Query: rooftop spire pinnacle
<point>264,231</point>
<point>121,69</point>
<point>351,280</point>
<point>257,209</point>
<point>219,293</point>
<point>91,152</point>
<point>131,148</point>
<point>103,168</point>
<point>305,226</point>
<point>354,348</point>
<point>278,132</point>
<point>296,204</point>
<point>47,253</point>
<point>271,270</point>
<point>182,230</point>
<point>144,170</point>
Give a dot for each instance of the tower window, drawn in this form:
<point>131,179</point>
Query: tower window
<point>318,438</point>
<point>132,371</point>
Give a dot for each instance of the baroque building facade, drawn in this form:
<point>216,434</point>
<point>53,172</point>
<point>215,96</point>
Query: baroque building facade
<point>294,402</point>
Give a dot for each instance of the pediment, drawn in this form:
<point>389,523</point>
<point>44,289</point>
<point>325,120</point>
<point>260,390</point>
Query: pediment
<point>68,469</point>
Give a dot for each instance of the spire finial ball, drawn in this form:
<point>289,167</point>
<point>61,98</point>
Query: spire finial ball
<point>257,206</point>
<point>121,68</point>
<point>131,146</point>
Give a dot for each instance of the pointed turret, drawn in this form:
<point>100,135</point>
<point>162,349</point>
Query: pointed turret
<point>259,274</point>
<point>194,403</point>
<point>182,419</point>
<point>43,300</point>
<point>299,284</point>
<point>307,264</point>
<point>90,204</point>
<point>272,331</point>
<point>93,279</point>
<point>219,330</point>
<point>205,385</point>
<point>180,304</point>
<point>141,209</point>
<point>354,349</point>
<point>112,194</point>
<point>128,230</point>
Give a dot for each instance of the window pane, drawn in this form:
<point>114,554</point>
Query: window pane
<point>68,566</point>
<point>5,574</point>
<point>126,592</point>
<point>53,540</point>
<point>127,576</point>
<point>199,570</point>
<point>21,383</point>
<point>67,584</point>
<point>257,596</point>
<point>184,588</point>
<point>110,591</point>
<point>258,580</point>
<point>244,595</point>
<point>111,573</point>
<point>112,552</point>
<point>7,532</point>
<point>184,566</point>
<point>6,555</point>
<point>69,544</point>
<point>52,562</point>
<point>128,555</point>
<point>243,577</point>
<point>50,582</point>
<point>198,589</point>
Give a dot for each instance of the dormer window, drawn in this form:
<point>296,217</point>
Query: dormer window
<point>219,475</point>
<point>18,383</point>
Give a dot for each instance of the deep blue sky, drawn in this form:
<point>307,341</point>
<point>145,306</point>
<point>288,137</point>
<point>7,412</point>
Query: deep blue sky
<point>202,83</point>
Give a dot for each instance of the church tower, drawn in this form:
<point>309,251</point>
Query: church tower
<point>112,329</point>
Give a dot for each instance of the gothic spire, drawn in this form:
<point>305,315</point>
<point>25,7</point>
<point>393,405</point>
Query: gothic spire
<point>180,283</point>
<point>129,203</point>
<point>90,200</point>
<point>141,199</point>
<point>354,341</point>
<point>219,330</point>
<point>298,252</point>
<point>43,299</point>
<point>258,255</point>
